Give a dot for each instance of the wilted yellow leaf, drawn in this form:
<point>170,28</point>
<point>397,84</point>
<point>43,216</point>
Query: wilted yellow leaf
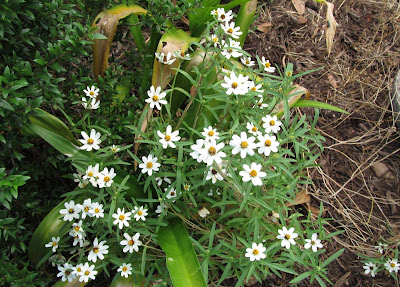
<point>107,22</point>
<point>331,25</point>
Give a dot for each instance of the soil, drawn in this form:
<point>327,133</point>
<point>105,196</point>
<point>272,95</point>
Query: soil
<point>357,180</point>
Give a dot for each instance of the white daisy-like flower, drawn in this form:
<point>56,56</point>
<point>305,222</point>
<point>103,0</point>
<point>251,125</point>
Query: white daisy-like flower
<point>161,208</point>
<point>267,144</point>
<point>267,65</point>
<point>53,243</point>
<point>231,30</point>
<point>105,177</point>
<point>271,124</point>
<point>314,243</point>
<point>234,85</point>
<point>114,148</point>
<point>149,164</point>
<point>256,252</point>
<point>381,247</point>
<point>186,187</point>
<point>370,268</point>
<point>203,212</point>
<point>66,272</point>
<point>97,210</point>
<point>71,211</point>
<point>211,152</point>
<point>77,269</point>
<point>171,193</point>
<point>125,269</point>
<point>252,129</point>
<point>77,230</point>
<point>82,183</point>
<point>181,55</point>
<point>260,104</point>
<point>224,16</point>
<point>214,175</point>
<point>98,250</point>
<point>287,236</point>
<point>92,104</point>
<point>121,218</point>
<point>197,150</point>
<point>165,58</point>
<point>86,206</point>
<point>131,243</point>
<point>211,193</point>
<point>247,61</point>
<point>252,173</point>
<point>215,40</point>
<point>169,137</point>
<point>79,238</point>
<point>160,180</point>
<point>87,272</point>
<point>255,88</point>
<point>91,92</point>
<point>156,98</point>
<point>210,134</point>
<point>243,145</point>
<point>392,265</point>
<point>139,213</point>
<point>91,141</point>
<point>231,49</point>
<point>214,13</point>
<point>91,174</point>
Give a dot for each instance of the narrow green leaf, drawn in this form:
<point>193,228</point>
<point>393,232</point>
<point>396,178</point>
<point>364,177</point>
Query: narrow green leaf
<point>332,258</point>
<point>315,104</point>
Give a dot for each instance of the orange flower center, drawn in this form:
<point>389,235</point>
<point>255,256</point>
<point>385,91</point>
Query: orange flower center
<point>87,273</point>
<point>230,31</point>
<point>91,93</point>
<point>267,143</point>
<point>392,265</point>
<point>253,89</point>
<point>267,65</point>
<point>165,58</point>
<point>96,249</point>
<point>234,85</point>
<point>211,133</point>
<point>131,242</point>
<point>312,242</point>
<point>90,173</point>
<point>287,236</point>
<point>140,213</point>
<point>77,228</point>
<point>121,217</point>
<point>90,141</point>
<point>124,269</point>
<point>149,164</point>
<point>253,173</point>
<point>223,16</point>
<point>247,62</point>
<point>54,243</point>
<point>86,209</point>
<point>106,179</point>
<point>155,98</point>
<point>212,150</point>
<point>256,252</point>
<point>271,122</point>
<point>254,129</point>
<point>167,137</point>
<point>97,210</point>
<point>244,144</point>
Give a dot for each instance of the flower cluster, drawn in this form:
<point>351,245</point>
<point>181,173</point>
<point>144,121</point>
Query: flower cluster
<point>384,263</point>
<point>91,103</point>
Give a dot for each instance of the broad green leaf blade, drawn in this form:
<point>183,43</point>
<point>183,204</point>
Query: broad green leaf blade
<point>200,16</point>
<point>133,280</point>
<point>182,263</point>
<point>245,18</point>
<point>49,122</point>
<point>107,22</point>
<point>171,41</point>
<point>301,277</point>
<point>51,226</point>
<point>315,104</point>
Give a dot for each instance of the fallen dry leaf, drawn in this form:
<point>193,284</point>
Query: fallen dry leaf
<point>293,96</point>
<point>302,20</point>
<point>301,198</point>
<point>332,81</point>
<point>331,25</point>
<point>143,128</point>
<point>300,6</point>
<point>264,27</point>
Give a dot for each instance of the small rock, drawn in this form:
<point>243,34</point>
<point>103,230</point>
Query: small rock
<point>381,170</point>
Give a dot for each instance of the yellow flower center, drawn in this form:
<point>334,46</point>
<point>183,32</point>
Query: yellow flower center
<point>267,65</point>
<point>96,210</point>
<point>230,31</point>
<point>247,62</point>
<point>167,137</point>
<point>267,143</point>
<point>86,209</point>
<point>140,213</point>
<point>253,89</point>
<point>155,98</point>
<point>106,179</point>
<point>271,122</point>
<point>77,228</point>
<point>244,144</point>
<point>87,273</point>
<point>54,243</point>
<point>230,51</point>
<point>255,252</point>
<point>131,242</point>
<point>253,173</point>
<point>259,104</point>
<point>91,93</point>
<point>254,129</point>
<point>121,217</point>
<point>96,249</point>
<point>149,164</point>
<point>212,150</point>
<point>71,210</point>
<point>90,173</point>
<point>78,269</point>
<point>215,40</point>
<point>392,265</point>
<point>90,141</point>
<point>312,242</point>
<point>223,16</point>
<point>211,133</point>
<point>287,236</point>
<point>124,269</point>
<point>182,54</point>
<point>234,85</point>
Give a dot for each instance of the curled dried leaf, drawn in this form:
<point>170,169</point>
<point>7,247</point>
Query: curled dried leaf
<point>331,25</point>
<point>300,6</point>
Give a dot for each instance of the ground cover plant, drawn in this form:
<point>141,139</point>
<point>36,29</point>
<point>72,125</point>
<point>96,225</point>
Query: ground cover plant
<point>196,157</point>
